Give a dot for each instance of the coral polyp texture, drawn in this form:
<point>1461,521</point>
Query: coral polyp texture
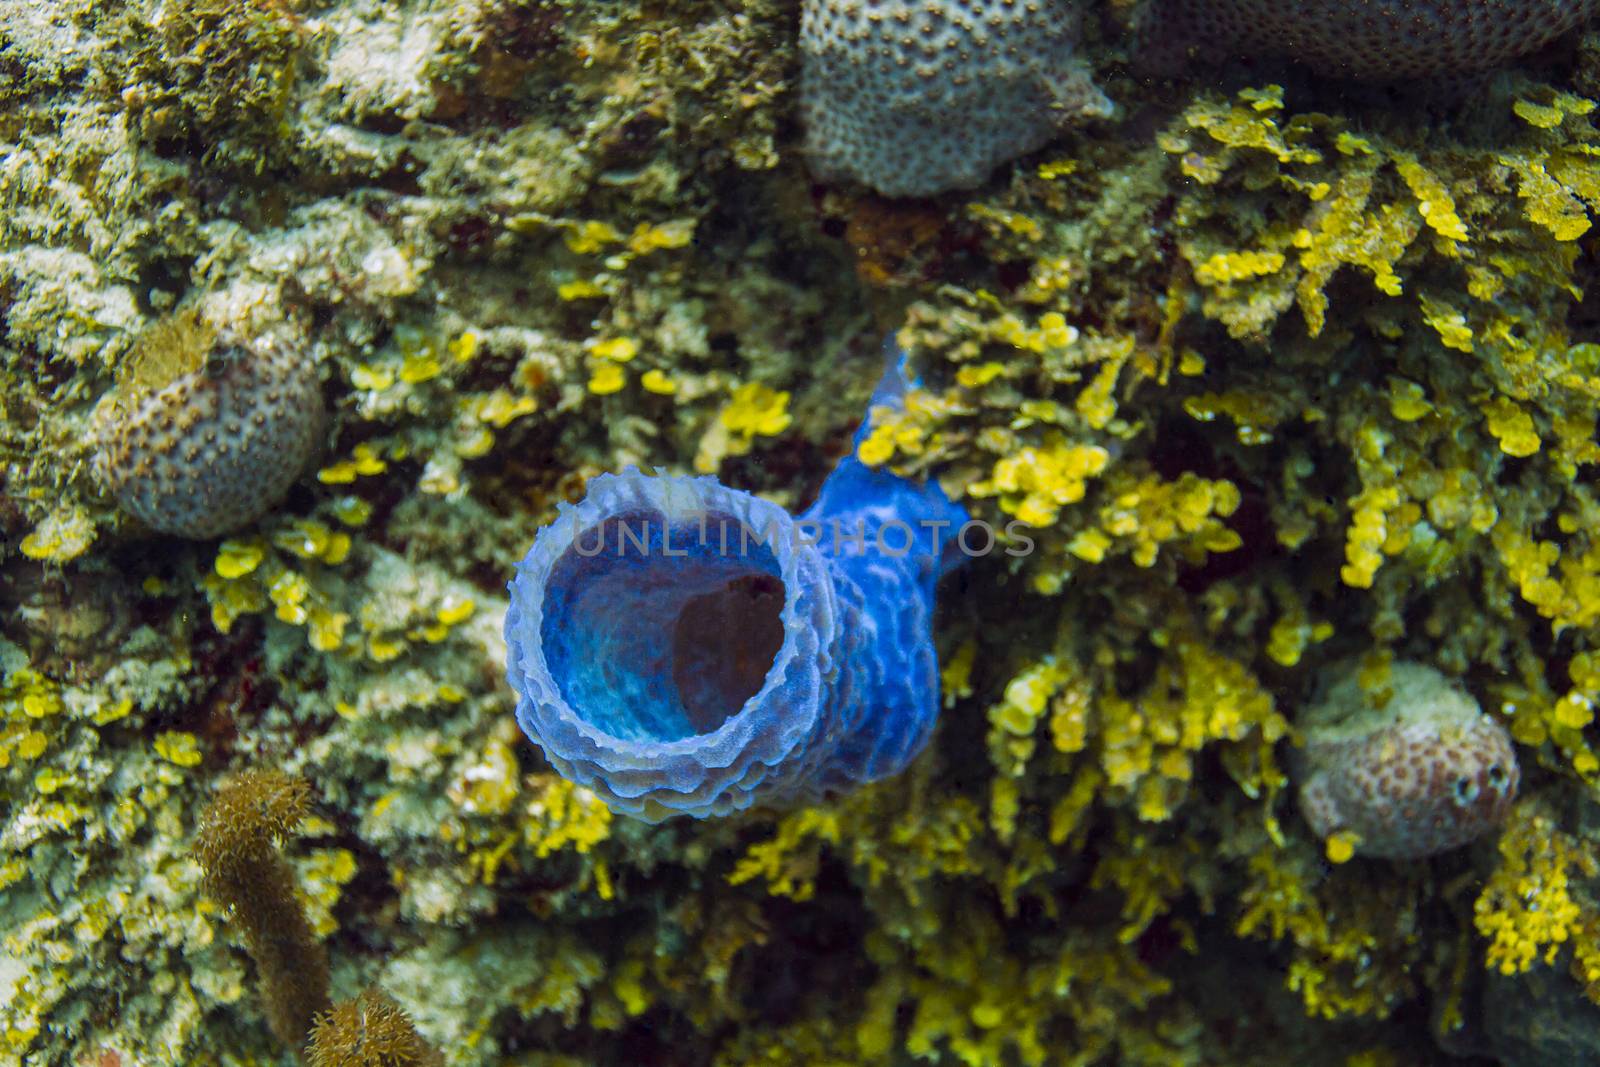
<point>1409,765</point>
<point>207,432</point>
<point>237,845</point>
<point>369,1031</point>
<point>681,647</point>
<point>1375,40</point>
<point>917,97</point>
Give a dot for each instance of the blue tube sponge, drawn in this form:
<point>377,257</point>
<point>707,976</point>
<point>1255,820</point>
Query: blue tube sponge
<point>681,647</point>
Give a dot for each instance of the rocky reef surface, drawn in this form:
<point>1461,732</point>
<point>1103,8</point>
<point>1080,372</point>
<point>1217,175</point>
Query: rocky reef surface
<point>1255,375</point>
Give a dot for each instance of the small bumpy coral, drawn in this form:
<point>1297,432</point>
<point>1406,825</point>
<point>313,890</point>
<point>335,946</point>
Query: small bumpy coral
<point>1380,40</point>
<point>1408,769</point>
<point>917,97</point>
<point>208,432</point>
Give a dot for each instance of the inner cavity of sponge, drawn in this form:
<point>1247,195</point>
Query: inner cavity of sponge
<point>648,646</point>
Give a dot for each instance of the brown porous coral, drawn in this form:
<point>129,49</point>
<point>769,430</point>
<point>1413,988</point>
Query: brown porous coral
<point>1374,40</point>
<point>917,97</point>
<point>206,432</point>
<point>1410,766</point>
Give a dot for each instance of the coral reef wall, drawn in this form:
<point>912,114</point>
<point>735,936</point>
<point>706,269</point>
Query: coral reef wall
<point>1273,375</point>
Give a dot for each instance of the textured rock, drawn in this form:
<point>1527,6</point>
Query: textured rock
<point>916,97</point>
<point>1376,40</point>
<point>1540,1019</point>
<point>214,447</point>
<point>681,647</point>
<point>1413,769</point>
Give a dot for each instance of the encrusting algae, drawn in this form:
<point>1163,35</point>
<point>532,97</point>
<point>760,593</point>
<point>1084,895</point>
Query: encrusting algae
<point>1252,380</point>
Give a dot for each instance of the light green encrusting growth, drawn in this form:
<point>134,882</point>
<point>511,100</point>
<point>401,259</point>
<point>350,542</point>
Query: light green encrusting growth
<point>1265,385</point>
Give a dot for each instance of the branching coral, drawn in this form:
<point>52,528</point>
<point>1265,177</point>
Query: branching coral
<point>237,846</point>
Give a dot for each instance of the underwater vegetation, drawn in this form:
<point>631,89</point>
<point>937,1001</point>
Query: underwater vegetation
<point>237,844</point>
<point>369,1031</point>
<point>1279,395</point>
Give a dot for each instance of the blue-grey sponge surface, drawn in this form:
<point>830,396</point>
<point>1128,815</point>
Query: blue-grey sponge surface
<point>680,647</point>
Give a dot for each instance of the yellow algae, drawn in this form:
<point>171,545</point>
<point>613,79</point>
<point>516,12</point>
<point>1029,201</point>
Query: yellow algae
<point>363,462</point>
<point>1035,483</point>
<point>235,559</point>
<point>1341,847</point>
<point>616,349</point>
<point>561,815</point>
<point>607,378</point>
<point>1450,323</point>
<point>178,747</point>
<point>591,236</point>
<point>1512,427</point>
<point>655,380</point>
<point>1408,401</point>
<point>1527,911</point>
<point>489,784</point>
<point>975,377</point>
<point>352,511</point>
<point>757,410</point>
<point>32,745</point>
<point>582,289</point>
<point>456,610</point>
<point>499,407</point>
<point>420,367</point>
<point>1094,403</point>
<point>62,536</point>
<point>647,237</point>
<point>1545,118</point>
<point>1434,202</point>
<point>325,629</point>
<point>288,593</point>
<point>372,377</point>
<point>1227,267</point>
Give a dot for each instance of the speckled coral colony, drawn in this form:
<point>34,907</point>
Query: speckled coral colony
<point>1167,431</point>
